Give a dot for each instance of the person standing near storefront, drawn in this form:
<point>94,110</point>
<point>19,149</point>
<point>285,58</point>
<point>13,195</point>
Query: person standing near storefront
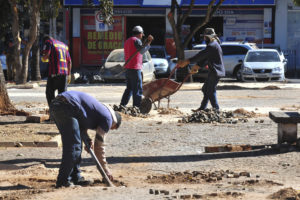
<point>56,53</point>
<point>212,55</point>
<point>134,85</point>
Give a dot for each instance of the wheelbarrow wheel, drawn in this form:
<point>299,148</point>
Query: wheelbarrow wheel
<point>146,105</point>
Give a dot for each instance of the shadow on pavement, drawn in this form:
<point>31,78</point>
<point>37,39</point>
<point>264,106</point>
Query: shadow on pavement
<point>54,163</point>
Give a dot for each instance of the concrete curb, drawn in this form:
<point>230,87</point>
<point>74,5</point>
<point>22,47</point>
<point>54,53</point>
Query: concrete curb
<point>53,142</point>
<point>30,144</point>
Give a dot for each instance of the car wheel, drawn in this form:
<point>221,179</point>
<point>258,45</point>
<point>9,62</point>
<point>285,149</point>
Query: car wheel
<point>238,74</point>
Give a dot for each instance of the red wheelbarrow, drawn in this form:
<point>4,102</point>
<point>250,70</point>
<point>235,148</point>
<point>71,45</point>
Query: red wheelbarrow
<point>159,89</point>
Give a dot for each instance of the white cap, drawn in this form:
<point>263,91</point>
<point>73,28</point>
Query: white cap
<point>138,29</point>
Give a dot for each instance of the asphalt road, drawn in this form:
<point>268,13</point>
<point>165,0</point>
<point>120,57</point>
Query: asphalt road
<point>260,97</point>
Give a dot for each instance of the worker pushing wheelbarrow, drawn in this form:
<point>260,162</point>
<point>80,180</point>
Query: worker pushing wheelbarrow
<point>162,88</point>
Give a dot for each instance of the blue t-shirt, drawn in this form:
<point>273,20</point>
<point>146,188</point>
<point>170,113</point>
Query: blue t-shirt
<point>94,113</point>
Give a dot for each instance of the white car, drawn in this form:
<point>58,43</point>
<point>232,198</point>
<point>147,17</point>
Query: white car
<point>233,53</point>
<point>262,65</point>
<point>112,69</point>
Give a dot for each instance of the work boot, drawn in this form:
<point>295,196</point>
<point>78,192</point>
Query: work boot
<point>81,181</point>
<point>66,184</point>
<point>196,110</point>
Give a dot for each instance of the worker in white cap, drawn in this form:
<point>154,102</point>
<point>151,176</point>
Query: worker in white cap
<point>134,50</point>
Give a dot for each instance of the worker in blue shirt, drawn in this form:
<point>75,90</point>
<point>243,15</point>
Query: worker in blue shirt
<point>74,113</point>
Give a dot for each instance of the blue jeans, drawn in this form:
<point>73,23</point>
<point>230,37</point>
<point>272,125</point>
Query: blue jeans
<point>209,91</point>
<point>66,119</point>
<point>134,87</point>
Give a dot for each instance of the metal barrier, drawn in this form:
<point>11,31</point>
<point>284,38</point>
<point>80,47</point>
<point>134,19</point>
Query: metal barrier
<point>292,70</point>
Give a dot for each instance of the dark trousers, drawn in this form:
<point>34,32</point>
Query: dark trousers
<point>209,91</point>
<point>66,119</point>
<point>134,87</point>
<point>55,83</point>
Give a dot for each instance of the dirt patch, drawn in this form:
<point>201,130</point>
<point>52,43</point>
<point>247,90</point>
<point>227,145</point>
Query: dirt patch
<point>270,87</point>
<point>256,182</point>
<point>244,113</point>
<point>286,194</point>
<point>19,131</point>
<point>14,112</point>
<point>24,183</point>
<point>168,111</point>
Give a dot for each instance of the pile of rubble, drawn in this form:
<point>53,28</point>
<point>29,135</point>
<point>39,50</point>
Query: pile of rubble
<point>197,177</point>
<point>213,115</point>
<point>133,111</point>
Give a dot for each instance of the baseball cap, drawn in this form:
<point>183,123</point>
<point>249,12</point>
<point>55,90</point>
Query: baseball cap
<point>138,29</point>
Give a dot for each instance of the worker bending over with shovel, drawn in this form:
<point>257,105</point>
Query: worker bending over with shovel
<point>212,56</point>
<point>74,113</point>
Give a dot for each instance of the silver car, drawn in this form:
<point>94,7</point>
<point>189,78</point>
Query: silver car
<point>113,70</point>
<point>263,65</point>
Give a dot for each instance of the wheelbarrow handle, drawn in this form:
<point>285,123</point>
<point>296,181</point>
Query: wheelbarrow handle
<point>173,71</point>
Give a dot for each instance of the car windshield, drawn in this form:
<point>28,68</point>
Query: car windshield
<point>157,53</point>
<point>262,57</point>
<point>117,56</point>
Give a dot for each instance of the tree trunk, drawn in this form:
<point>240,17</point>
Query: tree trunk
<point>182,43</point>
<point>6,107</point>
<point>34,18</point>
<point>16,39</point>
<point>35,62</point>
<point>5,103</point>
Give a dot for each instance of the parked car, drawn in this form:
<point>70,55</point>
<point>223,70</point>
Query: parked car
<point>160,60</point>
<point>233,53</point>
<point>262,65</point>
<point>277,47</point>
<point>112,69</point>
<point>3,63</point>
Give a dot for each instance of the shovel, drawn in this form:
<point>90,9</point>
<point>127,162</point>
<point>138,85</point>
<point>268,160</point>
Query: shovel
<point>99,166</point>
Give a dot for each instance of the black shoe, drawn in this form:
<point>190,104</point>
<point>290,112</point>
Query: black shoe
<point>66,184</point>
<point>81,181</point>
<point>196,110</point>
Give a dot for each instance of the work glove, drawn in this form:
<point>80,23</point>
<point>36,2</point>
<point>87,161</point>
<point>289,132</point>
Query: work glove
<point>194,69</point>
<point>183,63</point>
<point>91,145</point>
<point>149,39</point>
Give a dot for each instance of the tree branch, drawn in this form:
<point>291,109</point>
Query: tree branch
<point>187,14</point>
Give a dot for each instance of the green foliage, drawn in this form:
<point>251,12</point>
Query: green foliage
<point>106,7</point>
<point>296,2</point>
<point>50,9</point>
<point>5,18</point>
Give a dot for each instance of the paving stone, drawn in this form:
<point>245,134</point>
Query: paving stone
<point>37,118</point>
